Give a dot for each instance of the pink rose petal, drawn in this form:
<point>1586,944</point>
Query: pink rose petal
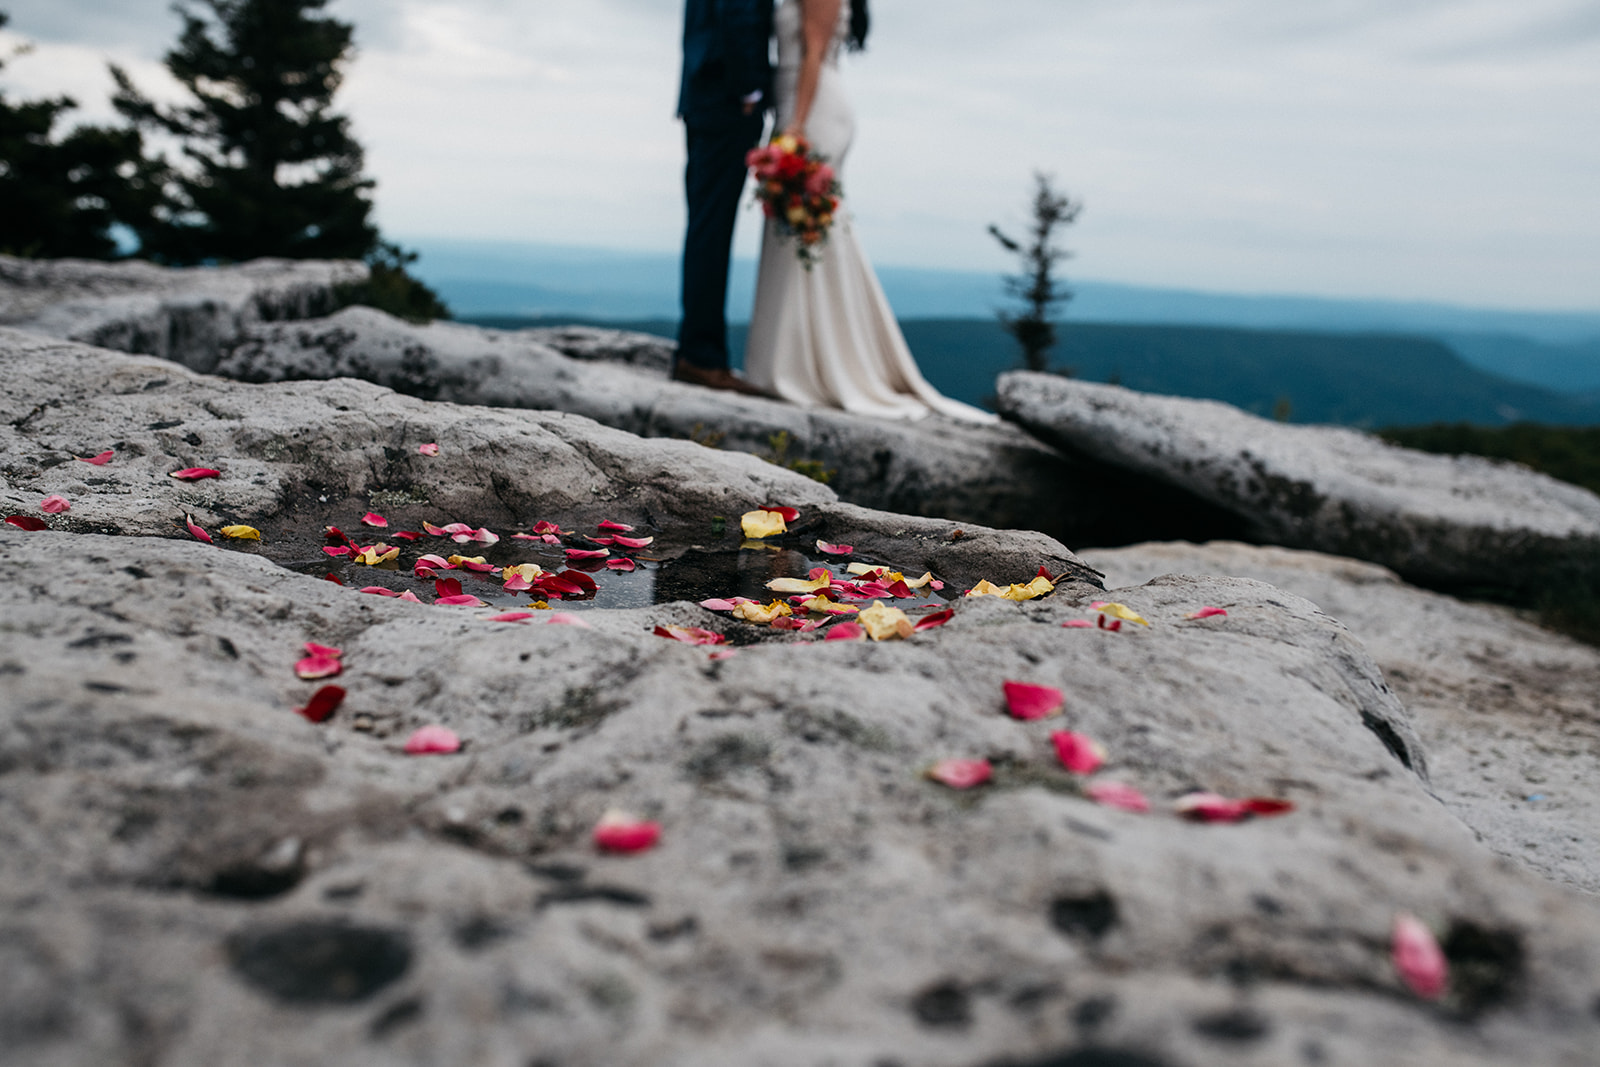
<point>27,522</point>
<point>460,600</point>
<point>1205,613</point>
<point>1028,701</point>
<point>633,542</point>
<point>432,740</point>
<point>961,773</point>
<point>723,653</point>
<point>409,595</point>
<point>1418,959</point>
<point>337,550</point>
<point>1117,795</point>
<point>584,553</point>
<point>690,635</point>
<point>372,518</point>
<point>619,527</point>
<point>834,550</point>
<point>846,631</point>
<point>323,703</point>
<point>1078,624</point>
<point>314,649</point>
<point>55,504</point>
<point>314,667</point>
<point>789,622</point>
<point>526,537</point>
<point>517,584</point>
<point>1078,753</point>
<point>194,474</point>
<point>196,532</point>
<point>546,527</point>
<point>717,604</point>
<point>99,461</point>
<point>604,540</point>
<point>378,590</point>
<point>407,535</point>
<point>619,832</point>
<point>623,564</point>
<point>481,568</point>
<point>436,531</point>
<point>566,618</point>
<point>512,616</point>
<point>429,449</point>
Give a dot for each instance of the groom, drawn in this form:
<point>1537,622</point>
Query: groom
<point>723,98</point>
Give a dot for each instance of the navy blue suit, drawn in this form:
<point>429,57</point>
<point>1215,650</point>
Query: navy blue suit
<point>726,59</point>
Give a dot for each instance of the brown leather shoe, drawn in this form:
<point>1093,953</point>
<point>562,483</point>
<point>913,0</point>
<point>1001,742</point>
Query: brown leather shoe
<point>716,378</point>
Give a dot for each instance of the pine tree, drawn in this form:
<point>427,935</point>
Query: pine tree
<point>1036,285</point>
<point>271,169</point>
<point>62,197</point>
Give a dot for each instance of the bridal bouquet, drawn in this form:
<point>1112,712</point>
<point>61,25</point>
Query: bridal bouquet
<point>798,191</point>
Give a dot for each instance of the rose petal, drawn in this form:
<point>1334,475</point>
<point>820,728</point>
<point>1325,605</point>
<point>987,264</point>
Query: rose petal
<point>1078,624</point>
<point>99,461</point>
<point>194,474</point>
<point>789,514</point>
<point>801,585</point>
<point>724,605</point>
<point>429,449</point>
<point>1267,807</point>
<point>313,667</point>
<point>196,532</point>
<point>884,623</point>
<point>406,535</point>
<point>1117,795</point>
<point>932,620</point>
<point>566,618</point>
<point>512,616</point>
<point>409,595</point>
<point>584,553</point>
<point>1078,753</point>
<point>633,542</point>
<point>447,587</point>
<point>824,606</point>
<point>798,625</point>
<point>332,577</point>
<point>432,740</point>
<point>314,649</point>
<point>27,522</point>
<point>54,504</point>
<point>1418,959</point>
<point>241,533</point>
<point>323,703</point>
<point>762,614</point>
<point>834,550</point>
<point>604,540</point>
<point>690,635</point>
<point>723,653</point>
<point>526,537</point>
<point>465,599</point>
<point>623,564</point>
<point>960,773</point>
<point>550,539</point>
<point>1118,611</point>
<point>545,527</point>
<point>372,518</point>
<point>378,590</point>
<point>517,584</point>
<point>436,531</point>
<point>846,631</point>
<point>474,563</point>
<point>1205,613</point>
<point>762,523</point>
<point>1028,701</point>
<point>620,527</point>
<point>619,832</point>
<point>484,537</point>
<point>337,550</point>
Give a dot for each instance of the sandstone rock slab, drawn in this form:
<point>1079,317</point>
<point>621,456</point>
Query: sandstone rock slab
<point>1440,521</point>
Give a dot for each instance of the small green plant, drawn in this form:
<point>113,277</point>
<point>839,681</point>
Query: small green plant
<point>1035,285</point>
<point>706,438</point>
<point>815,469</point>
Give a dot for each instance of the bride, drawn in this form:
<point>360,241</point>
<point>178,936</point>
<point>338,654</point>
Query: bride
<point>825,337</point>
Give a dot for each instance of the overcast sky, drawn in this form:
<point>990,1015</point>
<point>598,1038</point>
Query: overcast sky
<point>1401,149</point>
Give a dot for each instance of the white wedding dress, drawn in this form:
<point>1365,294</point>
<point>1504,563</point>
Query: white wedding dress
<point>826,337</point>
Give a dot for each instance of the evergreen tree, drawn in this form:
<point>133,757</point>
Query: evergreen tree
<point>272,170</point>
<point>1036,285</point>
<point>61,197</point>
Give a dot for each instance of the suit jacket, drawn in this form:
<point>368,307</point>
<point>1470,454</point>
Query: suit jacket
<point>726,57</point>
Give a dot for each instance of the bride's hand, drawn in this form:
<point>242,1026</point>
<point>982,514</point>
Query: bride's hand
<point>796,130</point>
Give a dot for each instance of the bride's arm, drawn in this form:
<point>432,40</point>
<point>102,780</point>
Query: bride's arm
<point>819,21</point>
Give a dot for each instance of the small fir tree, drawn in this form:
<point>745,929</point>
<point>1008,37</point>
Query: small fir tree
<point>63,196</point>
<point>1036,285</point>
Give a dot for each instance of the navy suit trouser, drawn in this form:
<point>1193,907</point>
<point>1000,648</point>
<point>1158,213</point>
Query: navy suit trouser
<point>712,182</point>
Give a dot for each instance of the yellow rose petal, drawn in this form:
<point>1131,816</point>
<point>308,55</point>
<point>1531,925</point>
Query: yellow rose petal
<point>1119,611</point>
<point>242,533</point>
<point>799,585</point>
<point>751,611</point>
<point>885,623</point>
<point>762,523</point>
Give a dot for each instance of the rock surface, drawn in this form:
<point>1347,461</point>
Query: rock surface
<point>191,873</point>
<point>1508,712</point>
<point>186,315</point>
<point>996,475</point>
<point>1440,521</point>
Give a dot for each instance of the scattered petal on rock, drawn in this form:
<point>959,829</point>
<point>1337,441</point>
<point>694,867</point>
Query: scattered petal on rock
<point>1210,807</point>
<point>436,531</point>
<point>474,563</point>
<point>1418,959</point>
<point>800,585</point>
<point>323,703</point>
<point>1266,807</point>
<point>834,550</point>
<point>846,631</point>
<point>1205,613</point>
<point>513,616</point>
<point>824,606</point>
<point>546,527</point>
<point>313,667</point>
<point>27,522</point>
<point>332,577</point>
<point>99,461</point>
<point>927,579</point>
<point>584,553</point>
<point>619,527</point>
<point>633,542</point>
<point>372,555</point>
<point>690,635</point>
<point>1118,611</point>
<point>761,614</point>
<point>484,537</point>
<point>1078,753</point>
<point>1016,591</point>
<point>798,625</point>
<point>566,618</point>
<point>762,523</point>
<point>241,533</point>
<point>618,831</point>
<point>622,564</point>
<point>1114,625</point>
<point>372,518</point>
<point>432,740</point>
<point>788,514</point>
<point>409,595</point>
<point>429,449</point>
<point>1117,795</point>
<point>1028,701</point>
<point>1078,624</point>
<point>961,773</point>
<point>337,550</point>
<point>884,623</point>
<point>460,600</point>
<point>723,653</point>
<point>314,649</point>
<point>194,474</point>
<point>933,619</point>
<point>378,590</point>
<point>196,532</point>
<point>407,535</point>
<point>55,504</point>
<point>447,587</point>
<point>717,604</point>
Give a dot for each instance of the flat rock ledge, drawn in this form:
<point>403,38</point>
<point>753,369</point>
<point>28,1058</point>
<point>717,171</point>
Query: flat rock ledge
<point>1451,522</point>
<point>182,314</point>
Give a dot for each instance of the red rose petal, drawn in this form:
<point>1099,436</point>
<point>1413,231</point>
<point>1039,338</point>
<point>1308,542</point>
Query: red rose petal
<point>846,631</point>
<point>1028,701</point>
<point>372,518</point>
<point>584,553</point>
<point>633,542</point>
<point>314,649</point>
<point>620,527</point>
<point>435,531</point>
<point>27,522</point>
<point>406,535</point>
<point>1117,795</point>
<point>1417,957</point>
<point>543,527</point>
<point>323,703</point>
<point>99,461</point>
<point>194,474</point>
<point>432,740</point>
<point>623,564</point>
<point>55,504</point>
<point>1267,807</point>
<point>1078,753</point>
<point>834,550</point>
<point>789,514</point>
<point>332,577</point>
<point>314,667</point>
<point>617,832</point>
<point>933,619</point>
<point>961,773</point>
<point>196,532</point>
<point>447,587</point>
<point>1206,613</point>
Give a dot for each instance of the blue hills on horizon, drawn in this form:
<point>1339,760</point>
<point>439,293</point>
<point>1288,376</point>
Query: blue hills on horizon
<point>1357,362</point>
